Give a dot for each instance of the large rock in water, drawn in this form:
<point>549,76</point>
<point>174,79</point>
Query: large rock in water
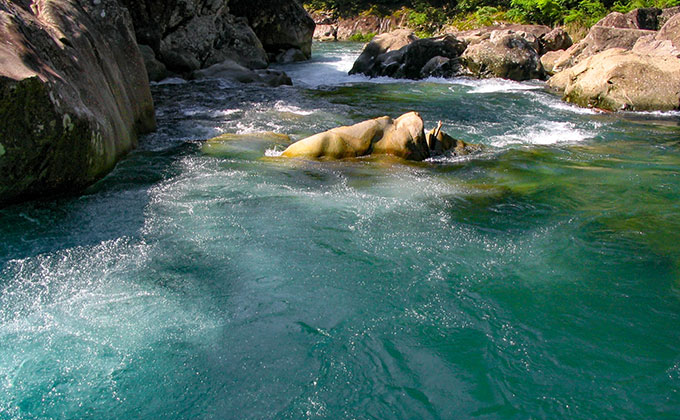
<point>505,54</point>
<point>232,71</point>
<point>403,137</point>
<point>73,94</point>
<point>381,44</point>
<point>283,26</point>
<point>188,35</point>
<point>646,77</point>
<point>599,38</point>
<point>420,59</point>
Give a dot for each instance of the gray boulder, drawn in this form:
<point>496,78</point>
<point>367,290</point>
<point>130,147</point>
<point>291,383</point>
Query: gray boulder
<point>642,18</point>
<point>504,54</point>
<point>555,40</point>
<point>154,68</point>
<point>415,60</point>
<point>187,35</point>
<point>381,44</point>
<point>281,25</point>
<point>74,95</point>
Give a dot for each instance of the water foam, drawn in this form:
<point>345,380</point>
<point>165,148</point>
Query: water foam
<point>544,133</point>
<point>282,106</point>
<point>495,85</point>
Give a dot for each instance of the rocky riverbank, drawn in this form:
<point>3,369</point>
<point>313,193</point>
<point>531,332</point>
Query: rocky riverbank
<point>74,88</point>
<point>626,61</point>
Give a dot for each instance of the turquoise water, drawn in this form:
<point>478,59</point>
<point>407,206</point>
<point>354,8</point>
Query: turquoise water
<point>537,280</point>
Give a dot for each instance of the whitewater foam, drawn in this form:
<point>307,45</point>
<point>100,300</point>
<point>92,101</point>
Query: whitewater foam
<point>544,133</point>
<point>495,85</point>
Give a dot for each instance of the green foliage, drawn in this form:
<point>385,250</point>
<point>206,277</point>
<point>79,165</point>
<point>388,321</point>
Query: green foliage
<point>625,7</point>
<point>359,37</point>
<point>546,12</point>
<point>485,15</point>
<point>587,14</point>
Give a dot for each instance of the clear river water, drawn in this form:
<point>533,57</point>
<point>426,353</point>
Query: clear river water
<point>539,279</point>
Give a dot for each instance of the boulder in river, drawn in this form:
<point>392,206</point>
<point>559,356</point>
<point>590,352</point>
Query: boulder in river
<point>380,45</point>
<point>599,38</point>
<point>503,54</point>
<point>194,34</point>
<point>74,95</point>
<point>231,70</point>
<point>404,137</point>
<point>413,60</point>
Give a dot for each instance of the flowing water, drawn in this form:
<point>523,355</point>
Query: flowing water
<point>536,280</point>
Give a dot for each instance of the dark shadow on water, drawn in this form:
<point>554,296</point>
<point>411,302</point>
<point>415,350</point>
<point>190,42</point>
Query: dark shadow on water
<point>110,209</point>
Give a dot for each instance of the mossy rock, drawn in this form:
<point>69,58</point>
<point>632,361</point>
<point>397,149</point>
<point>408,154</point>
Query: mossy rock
<point>43,152</point>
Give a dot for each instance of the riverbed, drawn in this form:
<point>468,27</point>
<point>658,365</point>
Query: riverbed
<point>537,279</point>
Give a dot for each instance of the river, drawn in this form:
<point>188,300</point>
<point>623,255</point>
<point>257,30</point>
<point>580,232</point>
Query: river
<point>539,279</point>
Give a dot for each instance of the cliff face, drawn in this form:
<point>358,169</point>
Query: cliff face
<point>73,94</point>
<point>188,35</point>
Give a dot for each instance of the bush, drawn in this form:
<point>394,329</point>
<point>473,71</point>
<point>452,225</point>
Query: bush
<point>588,13</point>
<point>485,15</point>
<point>546,12</point>
<point>359,37</point>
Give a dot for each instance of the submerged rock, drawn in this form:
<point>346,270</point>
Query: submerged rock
<point>231,70</point>
<point>441,143</point>
<point>404,137</point>
<point>73,95</point>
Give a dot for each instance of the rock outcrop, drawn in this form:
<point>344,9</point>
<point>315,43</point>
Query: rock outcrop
<point>616,30</point>
<point>188,35</point>
<point>283,27</point>
<point>73,94</point>
<point>644,77</point>
<point>404,137</point>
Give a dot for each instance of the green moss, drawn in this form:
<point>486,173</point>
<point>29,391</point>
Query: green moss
<point>359,37</point>
<point>2,150</point>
